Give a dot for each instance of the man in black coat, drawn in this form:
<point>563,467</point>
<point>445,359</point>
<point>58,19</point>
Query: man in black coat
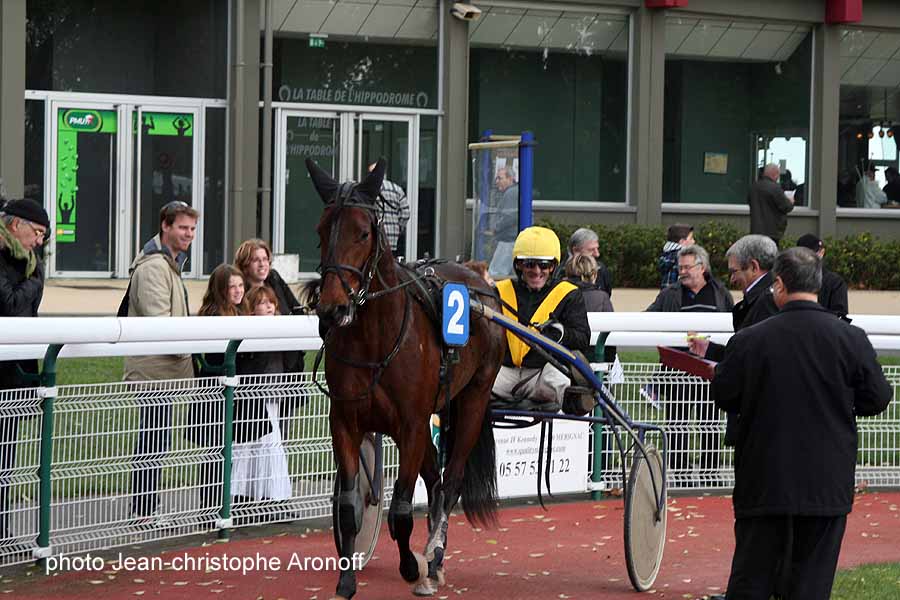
<point>769,205</point>
<point>799,381</point>
<point>749,261</point>
<point>23,227</point>
<point>833,295</point>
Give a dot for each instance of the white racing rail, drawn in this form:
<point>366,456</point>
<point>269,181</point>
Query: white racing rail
<point>88,485</point>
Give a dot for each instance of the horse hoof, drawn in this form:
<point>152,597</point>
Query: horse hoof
<point>424,588</point>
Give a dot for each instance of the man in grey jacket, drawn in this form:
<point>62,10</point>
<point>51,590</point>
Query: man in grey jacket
<point>157,290</point>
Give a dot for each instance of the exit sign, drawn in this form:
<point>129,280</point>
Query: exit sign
<point>316,42</point>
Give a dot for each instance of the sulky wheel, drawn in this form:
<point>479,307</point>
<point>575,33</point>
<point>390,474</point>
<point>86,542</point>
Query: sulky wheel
<point>645,535</point>
<point>373,511</point>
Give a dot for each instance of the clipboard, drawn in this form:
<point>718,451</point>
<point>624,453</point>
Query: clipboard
<point>687,362</point>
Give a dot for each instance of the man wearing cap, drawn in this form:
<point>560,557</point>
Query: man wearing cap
<point>833,293</point>
<point>156,290</point>
<point>557,309</point>
<point>23,228</point>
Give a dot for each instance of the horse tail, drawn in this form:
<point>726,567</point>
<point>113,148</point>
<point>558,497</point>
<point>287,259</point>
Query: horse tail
<point>479,486</point>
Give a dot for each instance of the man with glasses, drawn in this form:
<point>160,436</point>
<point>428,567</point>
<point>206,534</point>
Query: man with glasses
<point>23,229</point>
<point>526,380</point>
<point>749,261</point>
<point>696,290</point>
<point>157,290</point>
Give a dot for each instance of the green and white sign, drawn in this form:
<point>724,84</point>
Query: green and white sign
<point>72,123</point>
<point>75,122</point>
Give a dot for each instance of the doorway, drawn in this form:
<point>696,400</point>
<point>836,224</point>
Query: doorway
<point>344,144</point>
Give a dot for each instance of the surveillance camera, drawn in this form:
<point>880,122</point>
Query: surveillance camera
<point>465,12</point>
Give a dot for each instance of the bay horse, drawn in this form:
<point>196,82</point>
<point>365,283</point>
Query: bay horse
<point>383,365</point>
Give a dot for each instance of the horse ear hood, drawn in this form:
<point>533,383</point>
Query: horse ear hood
<point>371,185</point>
<point>323,182</point>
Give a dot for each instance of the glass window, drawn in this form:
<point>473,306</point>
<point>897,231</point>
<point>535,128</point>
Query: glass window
<point>427,207</point>
<point>869,120</point>
<point>737,97</point>
<point>152,47</point>
<point>214,191</point>
<point>344,52</point>
<point>34,150</point>
<point>564,76</point>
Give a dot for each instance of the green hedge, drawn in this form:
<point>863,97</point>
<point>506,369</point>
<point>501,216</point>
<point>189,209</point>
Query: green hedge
<point>631,251</point>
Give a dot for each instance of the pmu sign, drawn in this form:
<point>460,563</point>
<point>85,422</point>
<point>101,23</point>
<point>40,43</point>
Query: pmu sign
<point>83,120</point>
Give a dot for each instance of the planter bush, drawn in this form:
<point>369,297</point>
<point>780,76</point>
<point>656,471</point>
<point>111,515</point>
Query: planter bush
<point>631,251</point>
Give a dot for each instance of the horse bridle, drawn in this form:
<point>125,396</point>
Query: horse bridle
<point>341,200</point>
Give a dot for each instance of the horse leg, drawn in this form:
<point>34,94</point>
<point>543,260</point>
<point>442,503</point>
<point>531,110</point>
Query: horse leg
<point>350,505</point>
<point>471,470</point>
<point>413,567</point>
<point>437,542</point>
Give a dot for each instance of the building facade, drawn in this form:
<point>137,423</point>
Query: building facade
<point>644,111</point>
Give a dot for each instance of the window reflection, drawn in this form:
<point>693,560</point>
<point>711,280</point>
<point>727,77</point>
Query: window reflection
<point>738,91</point>
<point>562,75</point>
<point>869,119</point>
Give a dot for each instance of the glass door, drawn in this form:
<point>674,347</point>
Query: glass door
<point>297,207</point>
<point>110,178</point>
<point>391,137</point>
<point>164,169</point>
<point>85,152</point>
<point>343,144</point>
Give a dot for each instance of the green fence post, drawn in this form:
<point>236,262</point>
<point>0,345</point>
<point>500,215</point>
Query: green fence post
<point>230,380</point>
<point>597,429</point>
<point>48,394</point>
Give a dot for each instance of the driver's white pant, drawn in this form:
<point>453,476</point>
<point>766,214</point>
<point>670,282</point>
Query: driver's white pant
<point>548,385</point>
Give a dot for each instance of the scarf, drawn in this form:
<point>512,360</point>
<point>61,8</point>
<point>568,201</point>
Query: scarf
<point>17,250</point>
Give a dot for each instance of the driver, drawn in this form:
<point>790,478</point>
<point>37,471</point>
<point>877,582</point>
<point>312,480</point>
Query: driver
<point>526,380</point>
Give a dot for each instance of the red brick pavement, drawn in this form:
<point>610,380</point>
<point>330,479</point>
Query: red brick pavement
<point>573,550</point>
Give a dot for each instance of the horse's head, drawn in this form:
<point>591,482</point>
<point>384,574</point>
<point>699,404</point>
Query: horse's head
<point>350,241</point>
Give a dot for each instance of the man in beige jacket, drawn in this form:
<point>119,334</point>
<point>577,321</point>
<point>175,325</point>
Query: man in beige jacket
<point>156,290</point>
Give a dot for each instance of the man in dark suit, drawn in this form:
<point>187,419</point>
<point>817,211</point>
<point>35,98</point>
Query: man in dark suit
<point>749,261</point>
<point>769,205</point>
<point>833,295</point>
<point>799,381</point>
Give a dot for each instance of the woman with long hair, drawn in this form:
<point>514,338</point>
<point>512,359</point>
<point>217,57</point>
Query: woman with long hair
<point>224,295</point>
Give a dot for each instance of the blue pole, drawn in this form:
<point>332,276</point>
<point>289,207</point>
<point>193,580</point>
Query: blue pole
<point>482,200</point>
<point>526,179</point>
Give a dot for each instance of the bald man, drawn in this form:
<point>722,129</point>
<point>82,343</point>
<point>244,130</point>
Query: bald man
<point>769,205</point>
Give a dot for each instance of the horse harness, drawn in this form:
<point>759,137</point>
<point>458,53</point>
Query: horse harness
<point>419,281</point>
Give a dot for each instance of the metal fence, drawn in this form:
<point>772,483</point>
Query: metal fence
<point>137,462</point>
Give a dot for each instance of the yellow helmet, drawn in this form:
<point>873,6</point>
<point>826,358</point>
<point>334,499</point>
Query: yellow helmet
<point>537,242</point>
